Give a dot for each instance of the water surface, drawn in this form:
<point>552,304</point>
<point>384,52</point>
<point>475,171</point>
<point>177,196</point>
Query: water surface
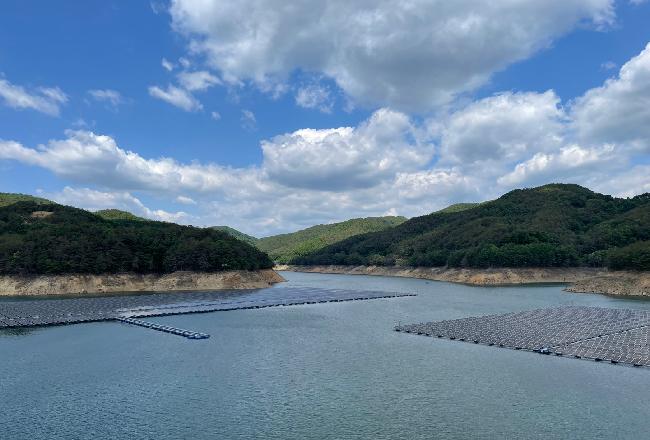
<point>324,371</point>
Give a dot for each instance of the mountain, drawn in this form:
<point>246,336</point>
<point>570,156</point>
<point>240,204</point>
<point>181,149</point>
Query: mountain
<point>285,247</point>
<point>457,207</point>
<point>36,238</point>
<point>551,225</point>
<point>11,198</point>
<point>117,214</point>
<point>237,234</point>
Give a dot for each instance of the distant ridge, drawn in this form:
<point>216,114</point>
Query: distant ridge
<point>38,239</point>
<point>118,214</point>
<point>285,247</point>
<point>237,234</point>
<point>11,198</point>
<point>458,207</point>
<point>555,225</point>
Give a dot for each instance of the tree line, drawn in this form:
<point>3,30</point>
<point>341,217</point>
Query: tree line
<point>56,239</point>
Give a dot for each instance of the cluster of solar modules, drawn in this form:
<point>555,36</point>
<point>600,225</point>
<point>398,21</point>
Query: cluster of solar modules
<point>189,334</point>
<point>600,334</point>
<point>36,312</point>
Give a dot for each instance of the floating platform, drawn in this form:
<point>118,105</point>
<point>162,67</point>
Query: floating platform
<point>189,334</point>
<point>599,334</point>
<point>20,312</point>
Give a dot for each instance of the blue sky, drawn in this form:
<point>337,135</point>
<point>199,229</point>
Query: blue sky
<point>272,118</point>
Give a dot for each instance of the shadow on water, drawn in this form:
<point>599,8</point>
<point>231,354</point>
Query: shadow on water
<point>16,332</point>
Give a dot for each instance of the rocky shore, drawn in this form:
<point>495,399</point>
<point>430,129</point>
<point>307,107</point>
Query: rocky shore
<point>129,282</point>
<point>580,279</point>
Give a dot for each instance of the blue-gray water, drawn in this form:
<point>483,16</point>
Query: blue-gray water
<point>325,371</point>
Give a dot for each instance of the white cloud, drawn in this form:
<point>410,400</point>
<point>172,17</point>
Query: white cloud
<point>46,100</point>
<point>197,81</point>
<point>619,111</point>
<point>167,65</point>
<point>387,163</point>
<point>248,120</point>
<point>406,55</point>
<point>632,181</point>
<point>346,157</point>
<point>215,115</point>
<point>314,96</point>
<point>184,62</point>
<point>185,200</point>
<point>177,97</point>
<point>112,97</point>
<point>89,158</point>
<point>504,127</point>
<point>94,200</point>
<point>542,167</point>
<point>608,65</point>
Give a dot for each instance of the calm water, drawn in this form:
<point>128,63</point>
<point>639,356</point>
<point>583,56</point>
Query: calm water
<point>328,371</point>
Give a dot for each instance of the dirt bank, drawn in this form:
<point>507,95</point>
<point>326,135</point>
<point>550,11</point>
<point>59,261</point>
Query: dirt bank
<point>115,283</point>
<point>588,280</point>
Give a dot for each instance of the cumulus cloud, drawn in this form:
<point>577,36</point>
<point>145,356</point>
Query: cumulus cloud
<point>46,100</point>
<point>389,163</point>
<point>86,157</point>
<point>543,167</point>
<point>346,157</point>
<point>505,127</point>
<point>176,96</point>
<point>94,200</point>
<point>619,111</point>
<point>406,55</point>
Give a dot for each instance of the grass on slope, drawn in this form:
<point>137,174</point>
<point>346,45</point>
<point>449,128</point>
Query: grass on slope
<point>286,247</point>
<point>11,198</point>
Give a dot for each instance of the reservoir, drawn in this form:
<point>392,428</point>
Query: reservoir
<point>318,371</point>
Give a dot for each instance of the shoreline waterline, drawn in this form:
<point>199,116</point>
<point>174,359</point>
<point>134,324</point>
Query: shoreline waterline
<point>577,279</point>
<point>130,283</point>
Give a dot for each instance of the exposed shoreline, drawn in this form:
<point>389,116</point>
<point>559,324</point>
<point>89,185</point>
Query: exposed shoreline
<point>130,282</point>
<point>580,279</point>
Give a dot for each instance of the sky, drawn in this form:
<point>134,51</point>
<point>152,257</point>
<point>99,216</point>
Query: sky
<point>272,116</point>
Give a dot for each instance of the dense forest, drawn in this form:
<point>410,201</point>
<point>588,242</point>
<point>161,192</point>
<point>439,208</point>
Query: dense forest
<point>552,225</point>
<point>457,207</point>
<point>237,234</point>
<point>287,247</point>
<point>37,238</point>
<point>117,214</point>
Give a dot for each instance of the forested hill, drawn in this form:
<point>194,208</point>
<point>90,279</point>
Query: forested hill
<point>552,225</point>
<point>237,234</point>
<point>7,199</point>
<point>117,214</point>
<point>38,238</point>
<point>457,207</point>
<point>286,247</point>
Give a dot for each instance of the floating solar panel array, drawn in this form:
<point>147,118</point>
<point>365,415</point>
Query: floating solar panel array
<point>600,334</point>
<point>37,312</point>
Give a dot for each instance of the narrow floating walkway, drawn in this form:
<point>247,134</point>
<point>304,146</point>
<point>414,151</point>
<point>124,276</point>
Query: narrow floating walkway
<point>18,312</point>
<point>189,334</point>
